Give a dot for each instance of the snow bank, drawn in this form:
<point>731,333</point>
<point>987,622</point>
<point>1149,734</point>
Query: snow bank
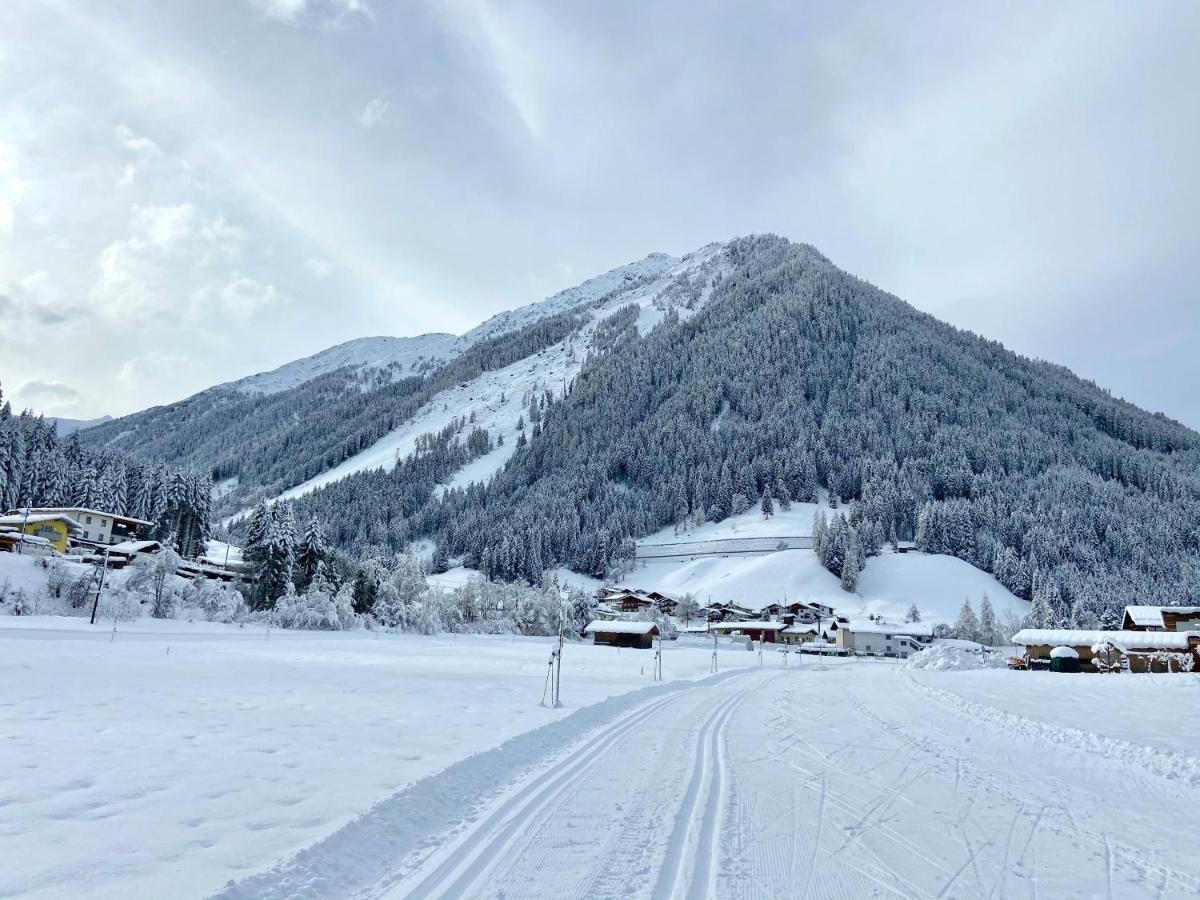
<point>955,656</point>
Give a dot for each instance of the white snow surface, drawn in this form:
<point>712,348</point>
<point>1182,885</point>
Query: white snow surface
<point>339,765</point>
<point>180,755</point>
<point>912,785</point>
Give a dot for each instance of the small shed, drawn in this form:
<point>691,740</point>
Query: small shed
<point>756,630</point>
<point>639,635</point>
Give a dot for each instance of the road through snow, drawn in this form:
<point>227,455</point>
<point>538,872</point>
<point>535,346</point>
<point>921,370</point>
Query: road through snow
<point>831,779</point>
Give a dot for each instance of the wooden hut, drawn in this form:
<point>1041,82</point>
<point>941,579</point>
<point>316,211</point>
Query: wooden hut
<point>639,635</point>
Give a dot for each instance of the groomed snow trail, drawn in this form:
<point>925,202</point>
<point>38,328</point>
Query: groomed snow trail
<point>826,779</point>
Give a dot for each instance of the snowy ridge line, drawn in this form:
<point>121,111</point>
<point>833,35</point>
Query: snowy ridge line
<point>1163,763</point>
<point>375,850</point>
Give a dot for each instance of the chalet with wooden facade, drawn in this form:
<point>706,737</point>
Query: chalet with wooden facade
<point>638,635</point>
<point>1161,618</point>
<point>1114,651</point>
<point>756,629</point>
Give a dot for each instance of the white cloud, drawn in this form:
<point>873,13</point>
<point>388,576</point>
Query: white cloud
<point>319,267</point>
<point>330,13</point>
<point>10,187</point>
<point>171,252</point>
<point>373,113</point>
<point>151,366</point>
<point>136,143</point>
<point>288,11</point>
<point>243,297</point>
<point>53,397</point>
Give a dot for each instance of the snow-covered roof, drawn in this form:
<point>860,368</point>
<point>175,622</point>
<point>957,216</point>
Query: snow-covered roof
<point>1064,653</point>
<point>867,626</point>
<point>620,627</point>
<point>801,629</point>
<point>36,518</point>
<point>83,510</point>
<point>749,624</point>
<point>129,548</point>
<point>1152,616</point>
<point>1128,640</point>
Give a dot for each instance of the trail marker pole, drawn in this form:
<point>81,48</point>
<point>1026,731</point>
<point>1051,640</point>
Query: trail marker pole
<point>713,668</point>
<point>100,590</point>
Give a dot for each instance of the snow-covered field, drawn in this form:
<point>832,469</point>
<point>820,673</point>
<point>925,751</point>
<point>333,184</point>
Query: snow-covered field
<point>178,756</point>
<point>180,760</point>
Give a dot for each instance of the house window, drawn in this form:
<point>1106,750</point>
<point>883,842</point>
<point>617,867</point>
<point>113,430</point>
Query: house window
<point>85,535</point>
<point>89,521</point>
<point>887,637</point>
<point>103,522</point>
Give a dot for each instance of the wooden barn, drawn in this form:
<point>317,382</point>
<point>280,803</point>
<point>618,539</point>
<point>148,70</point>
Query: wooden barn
<point>639,635</point>
<point>765,632</point>
<point>1099,651</point>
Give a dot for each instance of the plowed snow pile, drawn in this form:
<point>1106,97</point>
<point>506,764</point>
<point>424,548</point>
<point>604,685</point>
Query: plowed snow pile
<point>955,656</point>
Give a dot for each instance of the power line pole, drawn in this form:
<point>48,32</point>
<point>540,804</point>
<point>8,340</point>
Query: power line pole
<point>24,528</point>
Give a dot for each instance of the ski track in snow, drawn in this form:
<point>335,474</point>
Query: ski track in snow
<point>732,787</point>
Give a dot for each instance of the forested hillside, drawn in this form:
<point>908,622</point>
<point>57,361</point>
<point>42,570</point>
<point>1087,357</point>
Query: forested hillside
<point>39,469</point>
<point>797,376</point>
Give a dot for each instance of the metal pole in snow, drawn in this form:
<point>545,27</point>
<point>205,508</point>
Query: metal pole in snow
<point>24,528</point>
<point>100,589</point>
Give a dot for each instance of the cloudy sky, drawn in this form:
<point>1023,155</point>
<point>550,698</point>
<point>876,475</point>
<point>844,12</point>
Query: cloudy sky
<point>193,192</point>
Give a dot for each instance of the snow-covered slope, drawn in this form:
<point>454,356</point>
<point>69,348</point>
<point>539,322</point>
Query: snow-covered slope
<point>618,279</point>
<point>496,399</point>
<point>67,427</point>
<point>727,561</point>
<point>406,353</point>
<point>410,355</point>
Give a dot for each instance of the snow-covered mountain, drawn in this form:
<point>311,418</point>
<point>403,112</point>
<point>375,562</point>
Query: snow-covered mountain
<point>409,355</point>
<point>405,355</point>
<point>677,391</point>
<point>67,427</point>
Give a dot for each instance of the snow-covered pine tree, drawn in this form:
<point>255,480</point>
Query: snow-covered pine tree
<point>967,626</point>
<point>310,555</point>
<point>767,505</point>
<point>784,495</point>
<point>913,614</point>
<point>989,633</point>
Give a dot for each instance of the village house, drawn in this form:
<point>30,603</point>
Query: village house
<point>800,633</point>
<point>638,635</point>
<point>726,612</point>
<point>97,526</point>
<point>1139,651</point>
<point>1161,618</point>
<point>54,527</point>
<point>884,638</point>
<point>757,630</point>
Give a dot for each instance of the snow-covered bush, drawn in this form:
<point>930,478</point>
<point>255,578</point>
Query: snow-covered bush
<point>318,608</point>
<point>955,656</point>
